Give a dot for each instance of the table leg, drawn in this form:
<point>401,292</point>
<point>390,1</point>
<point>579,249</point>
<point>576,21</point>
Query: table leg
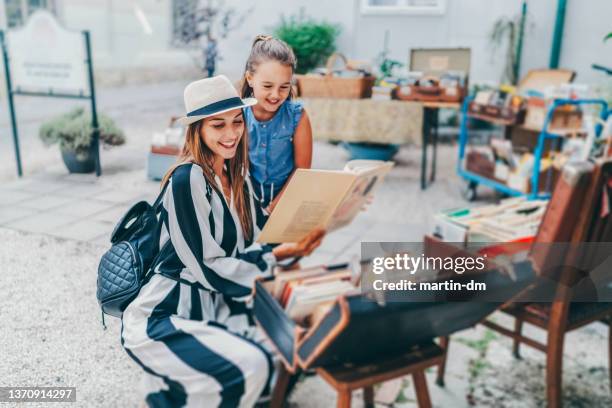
<point>434,141</point>
<point>426,134</point>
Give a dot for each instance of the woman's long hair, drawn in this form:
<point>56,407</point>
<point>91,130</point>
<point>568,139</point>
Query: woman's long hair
<point>196,151</point>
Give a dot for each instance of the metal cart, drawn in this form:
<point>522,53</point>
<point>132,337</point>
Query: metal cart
<point>473,180</point>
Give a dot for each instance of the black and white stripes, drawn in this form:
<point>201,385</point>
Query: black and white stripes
<point>200,347</point>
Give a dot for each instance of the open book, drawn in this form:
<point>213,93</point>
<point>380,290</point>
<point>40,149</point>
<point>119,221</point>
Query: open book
<point>326,199</point>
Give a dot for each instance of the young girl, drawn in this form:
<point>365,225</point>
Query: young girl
<point>279,129</point>
<point>190,328</point>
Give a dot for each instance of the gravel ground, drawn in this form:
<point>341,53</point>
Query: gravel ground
<point>51,332</point>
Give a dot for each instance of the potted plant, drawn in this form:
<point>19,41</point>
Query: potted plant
<point>312,42</point>
<point>509,31</point>
<point>74,133</point>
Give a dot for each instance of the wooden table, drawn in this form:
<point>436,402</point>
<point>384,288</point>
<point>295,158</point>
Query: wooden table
<point>365,120</point>
<point>379,121</point>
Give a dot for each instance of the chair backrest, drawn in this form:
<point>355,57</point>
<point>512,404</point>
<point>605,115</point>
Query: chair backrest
<point>564,215</point>
<point>578,213</point>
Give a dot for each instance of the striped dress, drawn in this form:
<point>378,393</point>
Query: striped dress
<point>198,344</point>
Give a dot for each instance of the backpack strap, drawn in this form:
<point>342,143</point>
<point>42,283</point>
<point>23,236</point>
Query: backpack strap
<point>165,186</point>
<point>161,195</point>
<point>156,204</point>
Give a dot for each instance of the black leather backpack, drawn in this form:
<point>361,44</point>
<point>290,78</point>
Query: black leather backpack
<point>135,248</point>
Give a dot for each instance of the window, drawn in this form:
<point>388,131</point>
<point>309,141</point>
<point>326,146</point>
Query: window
<point>18,11</point>
<point>403,7</point>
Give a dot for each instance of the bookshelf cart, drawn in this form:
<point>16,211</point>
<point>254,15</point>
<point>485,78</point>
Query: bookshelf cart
<point>473,179</point>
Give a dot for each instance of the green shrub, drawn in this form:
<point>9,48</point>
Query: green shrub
<point>73,131</point>
<point>312,42</point>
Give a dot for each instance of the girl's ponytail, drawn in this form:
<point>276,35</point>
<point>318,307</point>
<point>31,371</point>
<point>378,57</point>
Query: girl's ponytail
<point>266,48</point>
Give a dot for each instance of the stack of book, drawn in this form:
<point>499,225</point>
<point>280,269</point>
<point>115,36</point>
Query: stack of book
<point>512,220</point>
<point>307,294</point>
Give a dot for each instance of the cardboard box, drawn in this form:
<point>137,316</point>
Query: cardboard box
<point>511,113</point>
<point>523,183</point>
<point>445,75</point>
<point>562,119</point>
<point>480,163</point>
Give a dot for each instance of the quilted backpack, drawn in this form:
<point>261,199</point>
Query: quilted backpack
<point>135,248</point>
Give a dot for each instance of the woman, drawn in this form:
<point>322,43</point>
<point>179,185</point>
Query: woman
<point>197,342</point>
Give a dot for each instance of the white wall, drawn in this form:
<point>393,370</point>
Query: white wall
<point>121,42</point>
<point>587,22</point>
<point>466,23</point>
<point>267,13</point>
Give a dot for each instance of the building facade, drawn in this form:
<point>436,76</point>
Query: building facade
<point>136,40</point>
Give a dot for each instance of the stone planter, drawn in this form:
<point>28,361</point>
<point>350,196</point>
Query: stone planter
<point>81,163</point>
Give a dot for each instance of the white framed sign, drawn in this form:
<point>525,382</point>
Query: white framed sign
<point>45,57</point>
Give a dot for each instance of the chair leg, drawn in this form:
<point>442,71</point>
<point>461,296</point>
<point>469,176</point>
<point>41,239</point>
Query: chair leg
<point>344,399</point>
<point>368,396</point>
<point>610,350</point>
<point>280,388</point>
<point>444,344</point>
<point>516,343</point>
<point>554,354</point>
<point>420,386</point>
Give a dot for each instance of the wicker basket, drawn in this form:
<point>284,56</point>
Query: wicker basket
<point>329,86</point>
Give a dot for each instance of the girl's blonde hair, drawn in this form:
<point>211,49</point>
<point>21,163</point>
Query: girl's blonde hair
<point>267,48</point>
<point>196,151</point>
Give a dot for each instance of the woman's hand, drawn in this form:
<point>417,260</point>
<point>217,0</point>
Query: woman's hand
<point>302,248</point>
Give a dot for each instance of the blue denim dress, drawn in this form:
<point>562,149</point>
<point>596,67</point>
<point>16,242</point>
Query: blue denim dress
<point>271,149</point>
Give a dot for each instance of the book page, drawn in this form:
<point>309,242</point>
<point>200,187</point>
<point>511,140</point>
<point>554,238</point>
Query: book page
<point>308,202</point>
<point>358,194</point>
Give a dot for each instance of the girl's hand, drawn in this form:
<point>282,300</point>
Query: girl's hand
<point>368,201</point>
<point>302,248</point>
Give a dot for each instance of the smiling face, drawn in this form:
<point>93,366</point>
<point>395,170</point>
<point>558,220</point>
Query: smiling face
<point>271,83</point>
<point>222,133</point>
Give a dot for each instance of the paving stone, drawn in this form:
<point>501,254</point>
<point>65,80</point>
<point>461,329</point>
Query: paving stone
<point>8,196</point>
<point>82,208</point>
<point>14,212</point>
<point>111,215</point>
<point>43,187</point>
<point>83,230</point>
<point>45,202</point>
<point>117,196</point>
<point>85,190</point>
<point>102,240</point>
<point>42,223</point>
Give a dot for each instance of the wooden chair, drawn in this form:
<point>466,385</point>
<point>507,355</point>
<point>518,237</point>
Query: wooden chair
<point>346,379</point>
<point>562,315</point>
<point>557,318</point>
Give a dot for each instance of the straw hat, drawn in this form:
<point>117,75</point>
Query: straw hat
<point>211,96</point>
